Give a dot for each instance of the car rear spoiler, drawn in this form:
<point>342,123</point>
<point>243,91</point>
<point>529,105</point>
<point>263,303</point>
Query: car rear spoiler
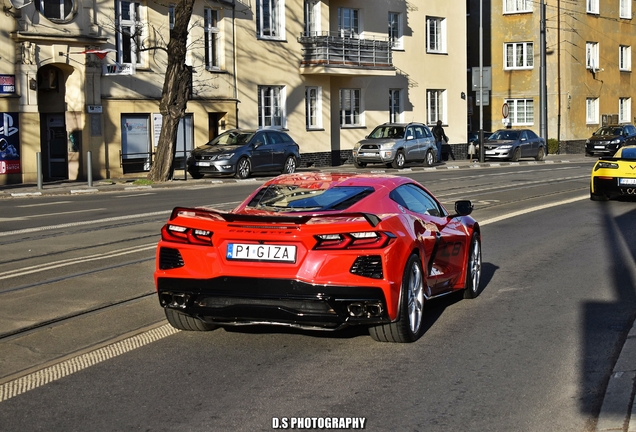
<point>371,218</point>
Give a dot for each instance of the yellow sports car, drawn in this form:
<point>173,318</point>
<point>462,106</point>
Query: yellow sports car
<point>615,176</point>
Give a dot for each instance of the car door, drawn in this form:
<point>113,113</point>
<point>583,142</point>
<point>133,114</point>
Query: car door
<point>534,140</point>
<point>631,134</point>
<point>444,240</point>
<point>277,144</point>
<point>429,141</point>
<point>526,144</point>
<point>261,158</point>
<point>411,144</point>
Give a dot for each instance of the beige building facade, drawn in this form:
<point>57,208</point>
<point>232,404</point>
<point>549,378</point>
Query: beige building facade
<point>81,81</point>
<point>588,57</point>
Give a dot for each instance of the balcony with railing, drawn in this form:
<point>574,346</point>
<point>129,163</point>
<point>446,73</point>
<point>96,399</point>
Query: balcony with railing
<point>336,53</point>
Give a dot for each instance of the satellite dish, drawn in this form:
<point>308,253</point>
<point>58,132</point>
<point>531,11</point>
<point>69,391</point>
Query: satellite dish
<point>19,4</point>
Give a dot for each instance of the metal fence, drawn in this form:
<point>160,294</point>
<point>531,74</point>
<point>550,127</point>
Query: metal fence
<point>341,49</point>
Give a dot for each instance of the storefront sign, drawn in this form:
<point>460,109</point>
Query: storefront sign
<point>7,84</point>
<point>9,144</point>
<point>118,69</point>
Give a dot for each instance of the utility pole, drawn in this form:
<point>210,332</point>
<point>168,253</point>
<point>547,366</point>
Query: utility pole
<point>543,101</point>
<point>482,156</point>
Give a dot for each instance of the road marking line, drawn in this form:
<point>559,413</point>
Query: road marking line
<point>76,364</point>
<point>531,209</point>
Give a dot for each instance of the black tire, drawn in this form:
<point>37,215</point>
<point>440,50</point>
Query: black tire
<point>243,168</point>
<point>195,174</point>
<point>181,321</point>
<point>408,327</point>
<point>290,165</point>
<point>540,154</point>
<point>399,161</point>
<point>516,155</point>
<point>359,164</point>
<point>587,153</point>
<point>429,158</point>
<point>473,268</point>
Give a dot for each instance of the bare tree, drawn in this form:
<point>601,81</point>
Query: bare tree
<point>175,94</point>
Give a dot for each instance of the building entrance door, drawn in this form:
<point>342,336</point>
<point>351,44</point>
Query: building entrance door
<point>55,150</point>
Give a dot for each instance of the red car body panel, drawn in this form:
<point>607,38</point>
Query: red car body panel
<point>441,243</point>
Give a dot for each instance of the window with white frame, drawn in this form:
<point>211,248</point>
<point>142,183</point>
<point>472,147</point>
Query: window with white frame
<point>348,22</point>
<point>130,31</point>
<point>517,6</point>
<point>592,6</point>
<point>624,110</point>
<point>211,38</point>
<point>56,10</point>
<point>591,56</point>
<point>350,107</point>
<point>312,17</point>
<point>591,110</point>
<point>436,106</point>
<point>435,35</point>
<point>271,106</point>
<point>521,111</point>
<point>626,9</point>
<point>395,105</point>
<point>270,19</point>
<point>519,55</point>
<point>313,107</point>
<point>625,58</point>
<point>395,30</point>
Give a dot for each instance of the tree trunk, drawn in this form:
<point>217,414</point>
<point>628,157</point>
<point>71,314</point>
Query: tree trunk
<point>176,92</point>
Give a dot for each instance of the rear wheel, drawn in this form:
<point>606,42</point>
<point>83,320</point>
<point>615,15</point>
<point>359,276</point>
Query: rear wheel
<point>408,327</point>
<point>473,268</point>
<point>516,155</point>
<point>290,165</point>
<point>181,321</point>
<point>598,197</point>
<point>429,158</point>
<point>399,161</point>
<point>243,168</point>
<point>540,154</point>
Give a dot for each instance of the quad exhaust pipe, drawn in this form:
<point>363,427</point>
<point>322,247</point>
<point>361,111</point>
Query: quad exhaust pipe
<point>365,310</point>
<point>174,300</point>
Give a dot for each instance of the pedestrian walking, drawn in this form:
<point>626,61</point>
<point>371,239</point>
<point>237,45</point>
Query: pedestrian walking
<point>440,139</point>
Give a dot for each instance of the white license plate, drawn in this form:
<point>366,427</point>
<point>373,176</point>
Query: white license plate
<point>369,154</point>
<point>627,181</point>
<point>599,147</point>
<point>490,152</point>
<point>203,163</point>
<point>260,252</point>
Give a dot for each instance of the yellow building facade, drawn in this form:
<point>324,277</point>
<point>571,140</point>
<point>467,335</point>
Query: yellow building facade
<point>81,81</point>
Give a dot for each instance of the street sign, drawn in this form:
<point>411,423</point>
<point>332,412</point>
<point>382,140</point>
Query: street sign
<point>486,95</point>
<point>505,110</point>
<point>487,78</point>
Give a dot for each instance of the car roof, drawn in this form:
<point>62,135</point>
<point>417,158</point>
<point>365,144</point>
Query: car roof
<point>335,179</point>
<point>401,124</point>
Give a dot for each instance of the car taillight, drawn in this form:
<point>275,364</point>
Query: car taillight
<point>606,165</point>
<point>355,240</point>
<point>180,234</point>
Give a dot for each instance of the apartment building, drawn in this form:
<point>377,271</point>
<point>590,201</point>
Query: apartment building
<point>588,65</point>
<point>84,77</point>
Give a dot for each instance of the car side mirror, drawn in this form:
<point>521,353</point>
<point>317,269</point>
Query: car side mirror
<point>463,207</point>
<point>409,137</point>
<point>257,144</point>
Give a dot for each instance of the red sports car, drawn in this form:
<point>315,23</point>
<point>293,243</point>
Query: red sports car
<point>319,251</point>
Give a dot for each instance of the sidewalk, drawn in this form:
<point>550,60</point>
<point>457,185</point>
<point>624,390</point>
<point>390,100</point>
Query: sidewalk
<point>618,412</point>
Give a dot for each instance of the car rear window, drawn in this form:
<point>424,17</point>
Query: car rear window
<point>290,198</point>
<point>628,153</point>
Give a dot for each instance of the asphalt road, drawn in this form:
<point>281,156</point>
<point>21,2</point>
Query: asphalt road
<point>533,352</point>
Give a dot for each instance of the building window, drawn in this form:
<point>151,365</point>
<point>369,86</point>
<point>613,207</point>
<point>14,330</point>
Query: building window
<point>171,15</point>
<point>516,6</point>
<point>436,106</point>
<point>521,111</point>
<point>435,35</point>
<point>211,35</point>
<point>348,22</point>
<point>56,10</point>
<point>130,32</point>
<point>395,30</point>
<point>270,19</point>
<point>519,55</point>
<point>395,105</point>
<point>271,106</point>
<point>591,56</point>
<point>313,107</point>
<point>592,6</point>
<point>312,17</point>
<point>350,110</point>
<point>591,110</point>
<point>625,58</point>
<point>626,9</point>
<point>624,110</point>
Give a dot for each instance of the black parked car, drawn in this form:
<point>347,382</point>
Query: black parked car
<point>240,152</point>
<point>607,139</point>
